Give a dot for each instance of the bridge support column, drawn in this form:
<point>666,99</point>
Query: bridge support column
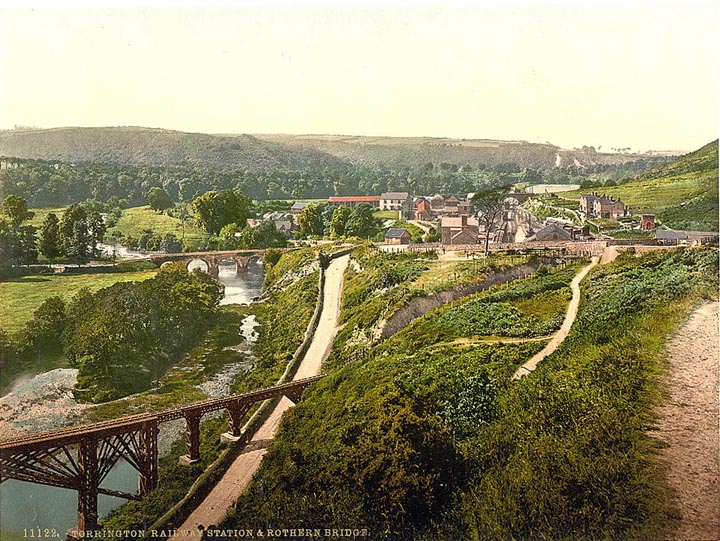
<point>213,268</point>
<point>192,437</point>
<point>237,413</point>
<point>148,478</point>
<point>89,483</point>
<point>242,265</point>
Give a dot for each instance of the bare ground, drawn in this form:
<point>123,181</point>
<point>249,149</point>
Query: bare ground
<point>688,424</point>
<point>215,506</point>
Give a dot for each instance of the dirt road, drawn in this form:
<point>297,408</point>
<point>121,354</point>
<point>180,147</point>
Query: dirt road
<point>689,425</point>
<point>214,508</point>
<point>564,329</point>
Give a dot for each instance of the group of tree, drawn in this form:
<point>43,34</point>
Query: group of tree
<point>17,239</point>
<point>122,337</point>
<point>45,183</point>
<point>335,222</point>
<point>75,235</point>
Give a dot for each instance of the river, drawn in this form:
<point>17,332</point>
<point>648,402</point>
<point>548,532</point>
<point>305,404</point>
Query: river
<point>28,505</point>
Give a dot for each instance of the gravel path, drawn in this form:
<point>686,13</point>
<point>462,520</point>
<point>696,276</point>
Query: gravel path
<point>559,336</point>
<point>688,423</point>
<point>214,508</point>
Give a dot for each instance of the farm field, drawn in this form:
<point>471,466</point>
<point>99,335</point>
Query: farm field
<point>22,296</point>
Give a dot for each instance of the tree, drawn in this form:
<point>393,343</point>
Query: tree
<point>361,222</point>
<point>214,210</point>
<point>43,332</point>
<point>339,219</point>
<point>489,205</point>
<point>96,229</point>
<point>15,209</point>
<point>265,235</point>
<point>24,245</point>
<point>229,237</point>
<point>159,199</point>
<point>310,221</point>
<point>76,234</point>
<point>18,244</point>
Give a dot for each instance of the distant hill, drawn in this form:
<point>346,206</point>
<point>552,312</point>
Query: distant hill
<point>145,146</point>
<point>417,151</point>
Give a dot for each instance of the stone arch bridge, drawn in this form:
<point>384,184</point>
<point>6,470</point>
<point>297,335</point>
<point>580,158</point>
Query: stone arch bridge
<point>242,259</point>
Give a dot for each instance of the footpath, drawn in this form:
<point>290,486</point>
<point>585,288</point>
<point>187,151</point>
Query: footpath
<point>216,505</point>
<point>559,336</point>
<point>688,424</point>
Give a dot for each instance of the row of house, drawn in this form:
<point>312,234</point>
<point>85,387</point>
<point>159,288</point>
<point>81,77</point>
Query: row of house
<point>602,206</point>
<point>407,205</point>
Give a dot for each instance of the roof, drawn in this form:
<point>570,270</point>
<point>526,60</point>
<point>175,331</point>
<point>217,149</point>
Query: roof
<point>353,198</point>
<point>604,199</point>
<point>395,195</point>
<point>467,233</point>
<point>299,205</point>
<point>669,234</point>
<point>456,221</point>
<point>396,233</point>
<point>550,229</point>
<point>452,199</point>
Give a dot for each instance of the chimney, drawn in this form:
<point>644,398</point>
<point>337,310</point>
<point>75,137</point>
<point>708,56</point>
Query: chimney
<point>463,221</point>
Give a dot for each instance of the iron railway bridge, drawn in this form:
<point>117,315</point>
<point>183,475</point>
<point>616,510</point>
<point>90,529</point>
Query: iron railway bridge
<point>81,457</point>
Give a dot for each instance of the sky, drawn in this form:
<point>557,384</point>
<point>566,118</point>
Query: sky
<point>612,75</point>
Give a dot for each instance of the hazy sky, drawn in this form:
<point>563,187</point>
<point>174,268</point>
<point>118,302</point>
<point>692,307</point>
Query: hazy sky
<point>611,75</point>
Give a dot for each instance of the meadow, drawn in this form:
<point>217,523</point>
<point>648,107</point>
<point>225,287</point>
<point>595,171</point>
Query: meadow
<point>22,296</point>
<point>134,221</point>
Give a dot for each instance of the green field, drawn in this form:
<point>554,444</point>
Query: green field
<point>135,220</point>
<point>386,214</point>
<point>40,214</point>
<point>22,296</point>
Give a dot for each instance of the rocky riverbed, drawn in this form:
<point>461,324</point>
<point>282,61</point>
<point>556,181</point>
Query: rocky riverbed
<point>43,402</point>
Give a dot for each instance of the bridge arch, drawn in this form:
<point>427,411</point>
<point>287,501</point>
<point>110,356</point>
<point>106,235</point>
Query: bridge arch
<point>205,264</point>
<point>197,263</point>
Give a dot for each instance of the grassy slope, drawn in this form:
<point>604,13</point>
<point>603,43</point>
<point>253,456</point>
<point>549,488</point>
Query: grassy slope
<point>562,454</point>
<point>136,219</point>
<point>40,214</point>
<point>367,438</point>
<point>21,296</point>
<point>683,194</point>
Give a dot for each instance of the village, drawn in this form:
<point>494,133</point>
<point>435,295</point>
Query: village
<point>454,223</point>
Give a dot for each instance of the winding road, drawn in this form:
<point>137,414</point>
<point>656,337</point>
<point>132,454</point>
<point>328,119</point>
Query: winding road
<point>559,336</point>
<point>216,505</point>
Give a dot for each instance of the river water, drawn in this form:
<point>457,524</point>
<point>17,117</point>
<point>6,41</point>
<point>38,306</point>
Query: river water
<point>27,505</point>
